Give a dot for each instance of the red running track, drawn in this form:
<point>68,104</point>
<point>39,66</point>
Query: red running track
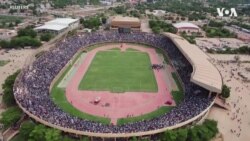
<point>120,105</point>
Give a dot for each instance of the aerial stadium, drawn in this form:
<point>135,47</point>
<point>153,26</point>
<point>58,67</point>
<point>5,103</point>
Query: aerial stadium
<point>115,85</point>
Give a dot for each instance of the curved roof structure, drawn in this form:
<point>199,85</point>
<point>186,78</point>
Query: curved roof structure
<point>185,25</point>
<point>205,74</point>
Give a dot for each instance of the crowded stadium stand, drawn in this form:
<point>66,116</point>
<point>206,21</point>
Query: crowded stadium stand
<point>205,74</point>
<point>125,24</point>
<point>58,25</point>
<point>32,86</point>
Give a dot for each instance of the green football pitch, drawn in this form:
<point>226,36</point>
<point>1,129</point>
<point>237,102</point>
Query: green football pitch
<point>117,71</point>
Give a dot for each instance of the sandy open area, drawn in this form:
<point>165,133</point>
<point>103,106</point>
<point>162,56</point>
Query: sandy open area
<point>235,123</point>
<point>219,43</point>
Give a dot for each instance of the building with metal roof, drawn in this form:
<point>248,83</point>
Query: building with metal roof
<point>186,27</point>
<point>58,25</point>
<point>204,74</point>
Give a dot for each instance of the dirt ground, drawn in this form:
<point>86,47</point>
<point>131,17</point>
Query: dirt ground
<point>235,123</point>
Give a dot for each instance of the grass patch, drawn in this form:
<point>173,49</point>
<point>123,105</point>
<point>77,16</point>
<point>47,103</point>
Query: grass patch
<point>161,52</point>
<point>3,62</point>
<point>177,95</point>
<point>18,137</point>
<point>119,71</point>
<point>131,49</point>
<point>115,49</point>
<point>154,114</point>
<point>178,83</point>
<point>8,19</point>
<point>58,96</point>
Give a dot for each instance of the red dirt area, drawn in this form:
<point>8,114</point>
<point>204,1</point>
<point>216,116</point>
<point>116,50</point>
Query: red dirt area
<point>122,105</point>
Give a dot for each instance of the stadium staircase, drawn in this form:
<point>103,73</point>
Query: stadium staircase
<point>221,103</point>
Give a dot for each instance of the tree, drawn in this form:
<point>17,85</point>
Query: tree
<point>3,23</point>
<point>225,91</point>
<point>11,24</point>
<point>94,2</point>
<point>182,134</point>
<point>17,21</point>
<point>10,116</point>
<point>156,29</point>
<point>85,139</point>
<point>53,135</point>
<point>11,11</point>
<point>170,135</point>
<point>5,44</point>
<point>24,41</point>
<point>8,96</point>
<point>119,9</point>
<point>92,23</point>
<point>26,129</point>
<point>45,37</point>
<point>27,32</point>
<point>104,20</point>
<point>38,133</point>
<point>193,134</point>
<point>211,125</point>
<point>134,139</point>
<point>66,138</point>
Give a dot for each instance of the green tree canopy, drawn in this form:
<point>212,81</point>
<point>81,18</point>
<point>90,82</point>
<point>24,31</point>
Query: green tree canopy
<point>225,91</point>
<point>92,22</point>
<point>53,135</point>
<point>8,96</point>
<point>24,41</point>
<point>182,134</point>
<point>157,26</point>
<point>26,129</point>
<point>27,32</point>
<point>10,116</point>
<point>46,37</point>
<point>38,133</point>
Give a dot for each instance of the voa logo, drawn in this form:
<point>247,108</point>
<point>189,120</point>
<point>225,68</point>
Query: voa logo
<point>227,12</point>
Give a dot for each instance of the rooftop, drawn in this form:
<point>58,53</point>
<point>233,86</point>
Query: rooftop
<point>51,27</point>
<point>125,19</point>
<point>62,21</point>
<point>185,25</point>
<point>204,74</point>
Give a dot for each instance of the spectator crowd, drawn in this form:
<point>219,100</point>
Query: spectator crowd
<point>31,88</point>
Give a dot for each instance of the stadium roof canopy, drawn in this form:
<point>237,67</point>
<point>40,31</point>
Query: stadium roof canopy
<point>51,27</point>
<point>62,21</point>
<point>204,74</point>
<point>185,25</point>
